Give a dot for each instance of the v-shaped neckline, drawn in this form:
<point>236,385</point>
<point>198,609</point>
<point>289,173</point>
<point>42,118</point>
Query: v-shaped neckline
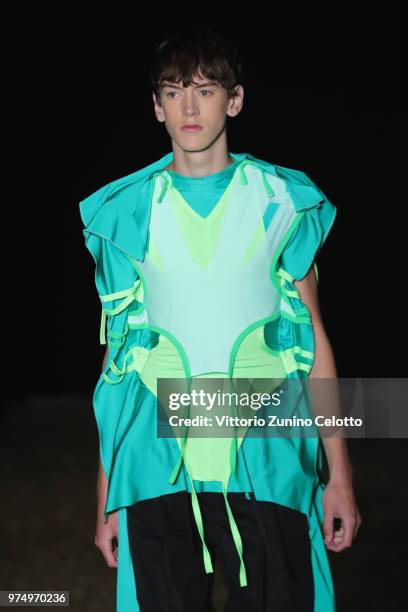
<point>189,209</point>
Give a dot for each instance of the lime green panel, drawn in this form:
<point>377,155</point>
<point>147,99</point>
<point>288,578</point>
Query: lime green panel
<point>201,234</point>
<point>255,242</point>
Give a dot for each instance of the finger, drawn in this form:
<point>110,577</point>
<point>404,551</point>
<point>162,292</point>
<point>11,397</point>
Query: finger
<point>349,524</point>
<point>357,526</point>
<point>338,535</point>
<point>328,525</point>
<point>338,542</point>
<point>109,554</point>
<point>337,545</point>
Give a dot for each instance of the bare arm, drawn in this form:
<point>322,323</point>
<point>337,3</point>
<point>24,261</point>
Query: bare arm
<point>105,358</point>
<point>338,498</point>
<point>101,491</point>
<point>102,482</point>
<point>324,367</point>
<point>106,529</point>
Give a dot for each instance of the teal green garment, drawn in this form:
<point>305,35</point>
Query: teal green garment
<point>202,193</point>
<point>136,462</point>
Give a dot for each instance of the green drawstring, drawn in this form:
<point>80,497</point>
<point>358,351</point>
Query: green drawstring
<point>234,529</point>
<point>138,355</point>
<point>237,539</point>
<point>285,276</point>
<point>197,512</point>
<point>120,337</point>
<point>176,468</point>
<point>302,314</point>
<point>165,185</point>
<point>244,179</point>
<point>234,445</point>
<point>199,522</point>
<point>128,294</point>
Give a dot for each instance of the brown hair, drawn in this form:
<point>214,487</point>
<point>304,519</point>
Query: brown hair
<point>191,51</point>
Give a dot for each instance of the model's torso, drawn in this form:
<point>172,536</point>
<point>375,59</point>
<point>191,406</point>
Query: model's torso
<point>208,284</point>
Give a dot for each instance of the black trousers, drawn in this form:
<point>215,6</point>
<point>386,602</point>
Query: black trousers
<point>168,564</point>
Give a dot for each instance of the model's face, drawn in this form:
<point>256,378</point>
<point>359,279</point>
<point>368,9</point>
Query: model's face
<point>204,103</point>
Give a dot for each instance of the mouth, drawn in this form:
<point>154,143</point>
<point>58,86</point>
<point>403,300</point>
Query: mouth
<point>191,128</point>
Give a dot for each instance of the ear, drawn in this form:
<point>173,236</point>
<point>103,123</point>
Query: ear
<point>157,108</point>
<point>235,104</point>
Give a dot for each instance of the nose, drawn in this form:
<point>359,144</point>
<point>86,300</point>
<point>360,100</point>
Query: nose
<point>190,104</point>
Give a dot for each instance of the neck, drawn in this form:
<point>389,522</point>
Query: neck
<point>199,164</point>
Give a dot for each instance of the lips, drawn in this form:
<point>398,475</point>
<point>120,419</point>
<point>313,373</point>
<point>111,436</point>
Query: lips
<point>191,128</point>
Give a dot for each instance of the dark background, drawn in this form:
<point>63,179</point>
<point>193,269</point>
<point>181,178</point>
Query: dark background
<point>324,94</point>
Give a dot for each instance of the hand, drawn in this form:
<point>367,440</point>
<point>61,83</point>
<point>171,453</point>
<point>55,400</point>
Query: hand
<point>338,502</point>
<point>106,538</point>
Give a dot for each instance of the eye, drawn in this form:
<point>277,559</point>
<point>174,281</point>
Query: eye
<point>170,92</point>
<point>210,92</point>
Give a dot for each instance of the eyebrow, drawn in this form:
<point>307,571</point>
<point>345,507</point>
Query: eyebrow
<point>167,84</point>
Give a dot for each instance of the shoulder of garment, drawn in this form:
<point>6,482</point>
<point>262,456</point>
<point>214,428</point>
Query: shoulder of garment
<point>119,211</point>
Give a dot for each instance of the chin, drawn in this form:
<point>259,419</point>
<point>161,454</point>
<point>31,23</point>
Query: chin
<point>192,146</point>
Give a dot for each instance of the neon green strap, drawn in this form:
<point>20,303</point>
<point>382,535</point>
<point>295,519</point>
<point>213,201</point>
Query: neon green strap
<point>199,522</point>
<point>285,276</point>
<point>244,179</point>
<point>304,366</point>
<point>237,539</point>
<point>117,339</point>
<point>128,294</point>
<point>234,445</point>
<point>176,468</point>
<point>137,356</point>
<point>165,185</point>
<point>302,315</point>
<point>234,529</point>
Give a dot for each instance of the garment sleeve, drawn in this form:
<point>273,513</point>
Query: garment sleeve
<point>309,236</point>
<point>117,282</point>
